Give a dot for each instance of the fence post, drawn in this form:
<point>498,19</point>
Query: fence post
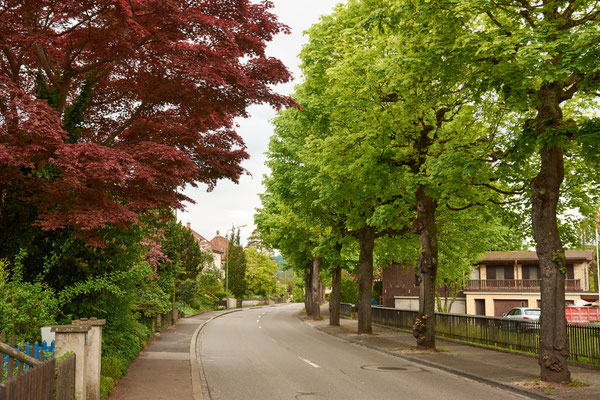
<point>73,339</point>
<point>231,303</point>
<point>93,355</point>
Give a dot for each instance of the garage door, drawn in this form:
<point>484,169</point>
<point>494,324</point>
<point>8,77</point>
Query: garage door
<point>502,306</point>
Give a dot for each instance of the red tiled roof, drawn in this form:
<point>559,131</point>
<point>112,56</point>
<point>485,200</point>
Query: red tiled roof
<point>205,244</point>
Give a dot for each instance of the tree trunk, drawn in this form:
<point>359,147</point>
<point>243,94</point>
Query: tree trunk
<point>425,226</point>
<point>308,290</point>
<point>316,289</point>
<point>366,240</point>
<point>336,294</point>
<point>554,345</point>
<point>545,193</point>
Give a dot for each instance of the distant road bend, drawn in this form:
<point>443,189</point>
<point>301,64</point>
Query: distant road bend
<point>268,353</point>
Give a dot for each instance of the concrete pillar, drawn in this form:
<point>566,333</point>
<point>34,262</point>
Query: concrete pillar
<point>231,302</point>
<point>73,339</point>
<point>93,355</point>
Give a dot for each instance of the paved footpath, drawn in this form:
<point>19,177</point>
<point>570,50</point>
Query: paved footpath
<point>511,371</point>
<point>164,369</point>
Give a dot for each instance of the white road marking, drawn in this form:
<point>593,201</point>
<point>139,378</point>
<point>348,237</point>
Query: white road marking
<point>309,362</point>
<point>257,320</point>
<point>259,327</point>
<point>259,316</point>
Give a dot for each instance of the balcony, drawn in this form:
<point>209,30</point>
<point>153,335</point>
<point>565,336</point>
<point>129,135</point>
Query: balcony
<point>523,285</point>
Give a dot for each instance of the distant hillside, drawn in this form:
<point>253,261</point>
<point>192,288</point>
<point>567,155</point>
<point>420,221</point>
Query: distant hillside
<point>280,263</point>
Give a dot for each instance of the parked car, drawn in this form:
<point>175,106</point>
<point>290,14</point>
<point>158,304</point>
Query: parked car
<point>523,313</point>
<point>527,314</point>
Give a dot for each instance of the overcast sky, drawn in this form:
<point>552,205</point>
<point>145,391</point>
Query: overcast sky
<point>230,204</point>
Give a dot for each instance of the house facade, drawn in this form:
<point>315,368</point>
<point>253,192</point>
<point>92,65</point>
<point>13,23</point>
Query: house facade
<point>208,246</point>
<point>506,279</point>
<point>220,243</point>
<point>400,290</point>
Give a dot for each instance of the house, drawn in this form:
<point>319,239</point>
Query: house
<point>506,279</point>
<point>208,246</point>
<point>221,244</point>
<point>399,290</point>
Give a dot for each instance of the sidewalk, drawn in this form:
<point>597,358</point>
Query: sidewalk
<point>165,369</point>
<point>510,371</point>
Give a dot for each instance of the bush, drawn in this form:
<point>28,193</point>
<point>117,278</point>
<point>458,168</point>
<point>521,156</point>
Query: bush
<point>106,386</point>
<point>187,290</point>
<point>24,306</point>
<point>113,367</point>
<point>349,289</point>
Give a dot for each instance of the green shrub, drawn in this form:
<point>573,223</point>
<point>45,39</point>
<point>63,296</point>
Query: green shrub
<point>106,386</point>
<point>349,289</point>
<point>24,306</point>
<point>113,367</point>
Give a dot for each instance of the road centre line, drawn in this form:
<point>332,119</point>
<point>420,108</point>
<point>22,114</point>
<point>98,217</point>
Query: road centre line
<point>309,362</point>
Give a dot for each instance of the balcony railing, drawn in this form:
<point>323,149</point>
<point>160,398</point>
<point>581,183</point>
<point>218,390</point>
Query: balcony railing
<point>516,284</point>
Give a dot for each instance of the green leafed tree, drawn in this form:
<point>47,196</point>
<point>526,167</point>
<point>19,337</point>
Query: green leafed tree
<point>261,272</point>
<point>540,57</point>
<point>397,134</point>
<point>236,265</point>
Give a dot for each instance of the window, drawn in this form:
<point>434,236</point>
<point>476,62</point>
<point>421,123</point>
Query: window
<point>530,272</point>
<point>499,272</point>
<point>505,272</point>
<point>533,272</point>
<point>533,312</point>
<point>570,272</point>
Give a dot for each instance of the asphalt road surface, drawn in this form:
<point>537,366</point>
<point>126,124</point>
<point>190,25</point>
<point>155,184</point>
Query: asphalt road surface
<point>268,353</point>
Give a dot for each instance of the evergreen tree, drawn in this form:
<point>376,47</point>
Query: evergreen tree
<point>236,264</point>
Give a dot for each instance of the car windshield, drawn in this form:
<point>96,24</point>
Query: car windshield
<point>533,312</point>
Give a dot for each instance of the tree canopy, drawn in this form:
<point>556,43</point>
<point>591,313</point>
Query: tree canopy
<point>107,107</point>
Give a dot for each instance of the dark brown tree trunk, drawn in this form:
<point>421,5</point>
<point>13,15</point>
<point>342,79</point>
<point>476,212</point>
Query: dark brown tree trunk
<point>554,345</point>
<point>366,240</point>
<point>425,226</point>
<point>336,294</point>
<point>316,289</point>
<point>545,193</point>
<point>308,290</point>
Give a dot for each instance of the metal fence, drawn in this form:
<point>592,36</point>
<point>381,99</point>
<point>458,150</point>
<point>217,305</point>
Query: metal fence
<point>521,336</point>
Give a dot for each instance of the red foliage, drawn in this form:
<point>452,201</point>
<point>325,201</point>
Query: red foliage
<point>168,78</point>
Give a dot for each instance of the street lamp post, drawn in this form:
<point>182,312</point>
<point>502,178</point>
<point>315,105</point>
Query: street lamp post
<point>227,262</point>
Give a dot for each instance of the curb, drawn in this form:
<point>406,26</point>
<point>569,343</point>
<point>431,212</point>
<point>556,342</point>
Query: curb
<point>198,380</point>
<point>514,389</point>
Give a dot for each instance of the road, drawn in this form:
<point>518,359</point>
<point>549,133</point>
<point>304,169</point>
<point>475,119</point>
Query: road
<point>268,353</point>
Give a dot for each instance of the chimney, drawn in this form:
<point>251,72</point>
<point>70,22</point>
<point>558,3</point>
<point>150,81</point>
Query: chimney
<point>189,225</point>
<point>217,233</point>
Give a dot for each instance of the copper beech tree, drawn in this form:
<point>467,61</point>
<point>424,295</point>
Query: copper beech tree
<point>108,106</point>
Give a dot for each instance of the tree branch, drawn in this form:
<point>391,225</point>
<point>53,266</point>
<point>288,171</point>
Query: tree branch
<point>43,57</point>
<point>451,208</point>
<point>126,124</point>
<point>508,192</point>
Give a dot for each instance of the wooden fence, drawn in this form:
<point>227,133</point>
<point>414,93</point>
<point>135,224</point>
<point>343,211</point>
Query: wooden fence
<point>513,335</point>
<point>36,383</point>
<point>23,377</point>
